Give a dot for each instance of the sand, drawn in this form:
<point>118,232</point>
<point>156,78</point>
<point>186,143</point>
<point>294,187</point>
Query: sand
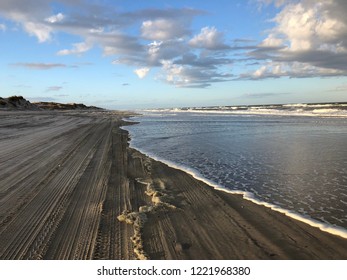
<point>71,188</point>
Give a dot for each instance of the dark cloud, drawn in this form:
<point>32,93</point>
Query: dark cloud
<point>211,62</point>
<point>114,43</point>
<point>319,58</point>
<point>30,8</point>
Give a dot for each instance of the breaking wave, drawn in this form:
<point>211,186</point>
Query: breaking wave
<point>300,109</point>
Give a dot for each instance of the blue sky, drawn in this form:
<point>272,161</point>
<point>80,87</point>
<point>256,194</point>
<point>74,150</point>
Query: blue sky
<point>150,54</point>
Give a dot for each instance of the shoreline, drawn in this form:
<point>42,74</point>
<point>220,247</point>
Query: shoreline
<point>329,228</point>
<point>72,188</point>
<point>256,223</point>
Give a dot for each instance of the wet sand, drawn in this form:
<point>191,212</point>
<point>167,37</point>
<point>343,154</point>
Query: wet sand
<point>71,188</point>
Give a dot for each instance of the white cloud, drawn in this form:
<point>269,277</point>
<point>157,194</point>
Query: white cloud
<point>308,25</point>
<point>191,76</point>
<point>165,50</point>
<point>142,72</point>
<point>272,41</point>
<point>154,47</point>
<point>173,72</point>
<point>78,49</point>
<point>290,69</point>
<point>55,18</point>
<point>163,29</point>
<point>209,38</point>
<point>3,27</point>
<point>309,39</point>
<point>29,15</point>
<point>39,30</point>
<point>259,73</point>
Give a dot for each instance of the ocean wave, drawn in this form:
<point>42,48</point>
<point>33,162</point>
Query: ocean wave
<point>300,109</point>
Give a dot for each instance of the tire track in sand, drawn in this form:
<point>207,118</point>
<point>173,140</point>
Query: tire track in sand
<point>63,200</point>
<point>24,229</point>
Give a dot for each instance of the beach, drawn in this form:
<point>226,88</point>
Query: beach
<point>72,188</point>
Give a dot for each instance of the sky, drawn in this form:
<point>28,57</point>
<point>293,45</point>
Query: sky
<point>162,54</point>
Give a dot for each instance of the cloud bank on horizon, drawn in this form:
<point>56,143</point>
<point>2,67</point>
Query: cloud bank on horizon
<point>306,39</point>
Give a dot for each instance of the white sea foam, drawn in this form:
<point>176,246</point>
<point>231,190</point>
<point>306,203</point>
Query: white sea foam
<point>262,111</point>
<point>296,105</point>
<point>335,230</point>
<point>300,109</point>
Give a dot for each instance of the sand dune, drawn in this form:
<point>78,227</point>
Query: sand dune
<point>71,188</point>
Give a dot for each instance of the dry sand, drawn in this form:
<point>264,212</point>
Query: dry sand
<point>71,188</point>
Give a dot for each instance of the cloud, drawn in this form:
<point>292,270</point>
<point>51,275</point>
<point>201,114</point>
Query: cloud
<point>203,61</point>
<point>114,43</point>
<point>39,66</point>
<point>41,31</point>
<point>54,88</point>
<point>165,50</point>
<point>163,29</point>
<point>209,38</point>
<point>190,76</point>
<point>3,27</point>
<point>78,48</point>
<point>162,35</point>
<point>28,14</point>
<point>311,25</point>
<point>309,39</point>
<point>294,69</point>
<point>18,8</point>
<point>142,72</point>
<point>107,29</point>
<point>55,18</point>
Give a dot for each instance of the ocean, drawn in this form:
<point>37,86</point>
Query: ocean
<point>292,158</point>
